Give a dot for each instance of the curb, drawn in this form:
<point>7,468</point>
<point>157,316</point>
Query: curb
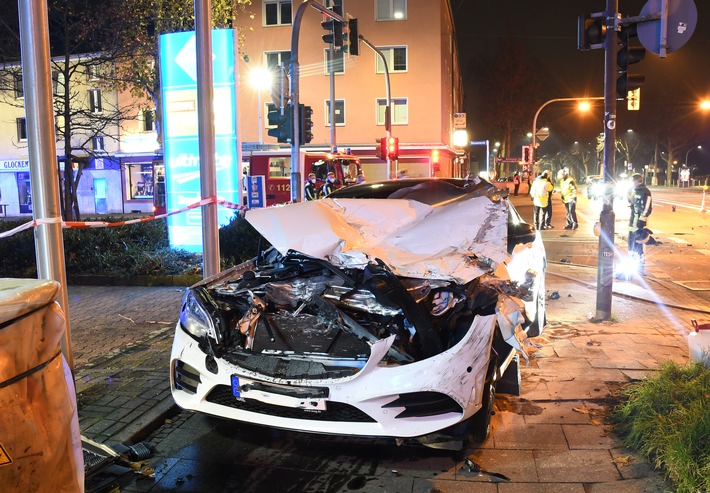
<point>168,280</point>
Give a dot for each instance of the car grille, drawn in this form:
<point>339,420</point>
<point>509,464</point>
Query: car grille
<point>186,377</point>
<point>417,404</point>
<point>336,411</point>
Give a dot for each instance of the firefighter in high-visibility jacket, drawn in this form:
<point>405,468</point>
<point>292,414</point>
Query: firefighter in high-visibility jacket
<point>310,191</point>
<point>641,204</point>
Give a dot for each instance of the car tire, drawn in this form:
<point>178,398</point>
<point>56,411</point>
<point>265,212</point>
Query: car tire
<point>481,421</point>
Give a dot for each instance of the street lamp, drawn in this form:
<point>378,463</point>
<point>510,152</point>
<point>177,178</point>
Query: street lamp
<point>686,154</point>
<point>584,103</point>
<point>260,78</point>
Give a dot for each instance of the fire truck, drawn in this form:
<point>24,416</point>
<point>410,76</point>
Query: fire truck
<point>275,168</point>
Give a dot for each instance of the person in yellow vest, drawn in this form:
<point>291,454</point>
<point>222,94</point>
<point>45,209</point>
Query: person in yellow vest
<point>540,191</point>
<point>568,190</point>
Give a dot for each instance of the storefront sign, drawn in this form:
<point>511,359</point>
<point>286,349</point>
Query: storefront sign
<point>14,165</point>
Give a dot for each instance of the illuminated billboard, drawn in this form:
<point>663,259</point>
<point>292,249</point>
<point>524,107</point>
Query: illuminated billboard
<point>178,75</point>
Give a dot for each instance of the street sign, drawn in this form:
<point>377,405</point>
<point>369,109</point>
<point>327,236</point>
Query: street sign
<point>680,22</point>
<point>542,134</point>
<point>459,120</point>
<point>479,142</point>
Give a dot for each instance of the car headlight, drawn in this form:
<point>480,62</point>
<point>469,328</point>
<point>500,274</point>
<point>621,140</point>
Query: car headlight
<point>598,188</point>
<point>194,319</point>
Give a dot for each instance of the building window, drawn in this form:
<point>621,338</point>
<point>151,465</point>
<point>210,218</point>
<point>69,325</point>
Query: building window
<point>279,167</point>
<point>58,86</point>
<point>95,100</point>
<point>391,10</point>
<point>277,13</point>
<point>21,129</point>
<point>97,142</point>
<point>17,83</point>
<point>399,111</point>
<point>339,113</point>
<point>338,62</point>
<point>396,57</point>
<point>140,180</point>
<point>92,72</point>
<point>276,58</point>
<point>148,123</point>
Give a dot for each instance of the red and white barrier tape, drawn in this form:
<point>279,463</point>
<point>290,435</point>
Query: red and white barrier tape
<point>104,224</point>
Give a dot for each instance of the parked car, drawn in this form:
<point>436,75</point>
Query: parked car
<point>389,309</point>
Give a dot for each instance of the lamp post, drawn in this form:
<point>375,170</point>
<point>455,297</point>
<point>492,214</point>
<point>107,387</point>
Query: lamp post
<point>686,154</point>
<point>260,78</point>
<point>585,107</point>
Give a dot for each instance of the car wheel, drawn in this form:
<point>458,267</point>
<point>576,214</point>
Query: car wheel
<point>538,323</point>
<point>481,421</point>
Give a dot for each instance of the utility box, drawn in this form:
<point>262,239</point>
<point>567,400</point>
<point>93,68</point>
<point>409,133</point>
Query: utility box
<point>40,443</point>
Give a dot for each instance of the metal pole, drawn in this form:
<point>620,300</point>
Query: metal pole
<point>41,146</point>
<point>331,56</point>
<point>296,185</point>
<point>391,167</point>
<point>258,117</point>
<point>605,270</point>
<point>205,132</point>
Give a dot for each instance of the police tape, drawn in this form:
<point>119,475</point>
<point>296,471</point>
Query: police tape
<point>105,224</point>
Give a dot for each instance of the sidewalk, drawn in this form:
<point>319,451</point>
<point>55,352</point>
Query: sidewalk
<point>552,438</point>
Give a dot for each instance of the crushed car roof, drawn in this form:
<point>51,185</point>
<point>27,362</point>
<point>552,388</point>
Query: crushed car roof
<point>431,229</point>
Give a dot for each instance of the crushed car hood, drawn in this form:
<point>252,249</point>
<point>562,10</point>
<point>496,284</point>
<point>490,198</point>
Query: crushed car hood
<point>457,240</point>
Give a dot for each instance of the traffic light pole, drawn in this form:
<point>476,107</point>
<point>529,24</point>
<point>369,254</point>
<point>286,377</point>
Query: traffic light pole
<point>296,179</point>
<point>391,165</point>
<point>605,270</point>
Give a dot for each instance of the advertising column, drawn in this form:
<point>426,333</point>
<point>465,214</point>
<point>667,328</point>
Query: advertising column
<point>178,73</point>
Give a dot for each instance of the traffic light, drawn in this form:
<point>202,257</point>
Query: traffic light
<point>283,124</point>
<point>591,31</point>
<point>393,148</point>
<point>628,53</point>
<point>335,28</point>
<point>435,160</point>
<point>305,115</point>
<point>353,44</point>
<point>526,154</point>
<point>381,150</point>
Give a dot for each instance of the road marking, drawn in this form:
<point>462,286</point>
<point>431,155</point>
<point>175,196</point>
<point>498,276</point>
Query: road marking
<point>678,240</point>
<point>703,251</point>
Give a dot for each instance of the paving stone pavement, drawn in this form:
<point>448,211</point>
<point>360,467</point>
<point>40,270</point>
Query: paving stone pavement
<point>121,339</point>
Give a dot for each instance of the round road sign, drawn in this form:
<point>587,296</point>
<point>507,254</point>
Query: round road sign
<point>682,19</point>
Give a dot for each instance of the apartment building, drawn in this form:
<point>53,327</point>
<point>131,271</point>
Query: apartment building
<point>418,41</point>
<point>123,165</point>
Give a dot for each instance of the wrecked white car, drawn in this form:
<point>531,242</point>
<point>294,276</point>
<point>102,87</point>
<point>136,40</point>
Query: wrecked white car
<point>389,309</point>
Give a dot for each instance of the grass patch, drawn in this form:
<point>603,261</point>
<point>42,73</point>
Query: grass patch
<point>667,419</point>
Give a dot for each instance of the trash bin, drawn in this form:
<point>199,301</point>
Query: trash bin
<point>40,444</point>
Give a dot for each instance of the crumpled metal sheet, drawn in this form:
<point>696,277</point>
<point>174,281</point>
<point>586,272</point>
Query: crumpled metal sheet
<point>457,241</point>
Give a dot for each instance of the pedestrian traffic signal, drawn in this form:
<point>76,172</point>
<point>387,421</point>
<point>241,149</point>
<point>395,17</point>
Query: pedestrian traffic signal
<point>393,148</point>
<point>435,160</point>
<point>282,124</point>
<point>591,31</point>
<point>305,131</point>
<point>629,53</point>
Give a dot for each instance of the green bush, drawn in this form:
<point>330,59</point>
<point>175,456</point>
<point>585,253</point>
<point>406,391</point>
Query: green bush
<point>239,241</point>
<point>667,418</point>
<point>129,250</point>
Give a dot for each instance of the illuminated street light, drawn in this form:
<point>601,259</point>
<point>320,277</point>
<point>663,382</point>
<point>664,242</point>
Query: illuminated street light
<point>259,79</point>
<point>537,113</point>
<point>705,104</point>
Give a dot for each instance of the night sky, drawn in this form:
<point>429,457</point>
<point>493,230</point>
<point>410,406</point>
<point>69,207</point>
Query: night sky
<point>548,29</point>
